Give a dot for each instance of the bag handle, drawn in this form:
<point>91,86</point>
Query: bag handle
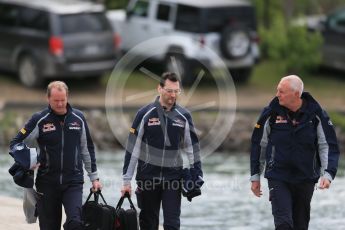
<point>96,196</point>
<point>126,195</point>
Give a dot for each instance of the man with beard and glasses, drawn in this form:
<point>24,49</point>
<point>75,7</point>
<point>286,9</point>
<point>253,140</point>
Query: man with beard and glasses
<point>161,132</point>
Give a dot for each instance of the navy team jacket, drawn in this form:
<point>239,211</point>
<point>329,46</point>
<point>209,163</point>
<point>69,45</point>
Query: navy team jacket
<point>157,141</point>
<point>63,147</point>
<point>294,153</point>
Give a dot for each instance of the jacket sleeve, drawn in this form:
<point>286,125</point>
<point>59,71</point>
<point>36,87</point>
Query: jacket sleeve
<point>28,134</point>
<point>259,143</point>
<point>327,146</point>
<point>133,147</point>
<point>88,151</point>
<point>192,146</point>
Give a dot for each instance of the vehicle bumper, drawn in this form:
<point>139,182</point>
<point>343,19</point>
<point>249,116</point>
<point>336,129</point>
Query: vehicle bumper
<point>59,68</point>
<point>245,62</point>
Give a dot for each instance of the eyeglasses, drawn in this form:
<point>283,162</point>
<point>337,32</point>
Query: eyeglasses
<point>170,91</point>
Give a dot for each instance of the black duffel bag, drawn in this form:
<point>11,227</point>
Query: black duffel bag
<point>96,215</point>
<point>126,219</point>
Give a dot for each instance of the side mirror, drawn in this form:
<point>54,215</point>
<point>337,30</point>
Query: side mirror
<point>322,25</point>
<point>129,13</point>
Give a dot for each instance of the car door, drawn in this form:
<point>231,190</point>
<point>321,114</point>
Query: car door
<point>8,27</point>
<point>163,17</point>
<point>87,38</point>
<point>137,26</point>
<point>334,41</point>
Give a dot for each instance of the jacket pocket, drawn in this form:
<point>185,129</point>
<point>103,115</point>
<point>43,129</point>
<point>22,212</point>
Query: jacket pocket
<point>316,166</point>
<point>44,169</point>
<point>270,164</point>
<point>76,161</point>
<point>143,166</point>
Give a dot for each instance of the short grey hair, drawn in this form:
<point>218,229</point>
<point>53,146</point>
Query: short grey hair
<point>60,85</point>
<point>296,83</point>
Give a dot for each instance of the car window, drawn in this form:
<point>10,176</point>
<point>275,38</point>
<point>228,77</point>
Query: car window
<point>163,12</point>
<point>188,19</point>
<point>141,9</point>
<point>86,22</point>
<point>214,19</point>
<point>33,19</point>
<point>337,22</point>
<point>8,15</point>
<point>218,18</point>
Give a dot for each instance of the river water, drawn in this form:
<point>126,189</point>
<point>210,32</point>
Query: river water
<point>226,202</point>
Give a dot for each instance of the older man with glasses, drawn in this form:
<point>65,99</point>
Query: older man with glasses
<point>160,133</point>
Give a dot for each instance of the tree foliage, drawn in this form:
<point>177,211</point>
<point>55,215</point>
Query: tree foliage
<point>280,39</point>
<point>116,4</point>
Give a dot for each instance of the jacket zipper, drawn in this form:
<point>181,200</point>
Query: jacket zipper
<point>62,146</point>
<point>165,138</point>
<point>76,159</point>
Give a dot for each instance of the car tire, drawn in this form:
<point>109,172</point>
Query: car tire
<point>28,72</point>
<point>183,65</point>
<point>235,42</point>
<point>241,75</point>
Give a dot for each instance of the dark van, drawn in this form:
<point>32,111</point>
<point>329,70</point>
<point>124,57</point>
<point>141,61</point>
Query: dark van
<point>333,50</point>
<point>55,39</point>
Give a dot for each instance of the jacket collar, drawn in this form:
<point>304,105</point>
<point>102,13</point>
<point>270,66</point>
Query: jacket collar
<point>69,109</point>
<point>159,106</point>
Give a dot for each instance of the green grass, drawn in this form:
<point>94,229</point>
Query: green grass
<point>135,80</point>
<point>8,78</point>
<point>140,80</point>
<point>338,119</point>
<point>267,75</point>
<point>325,83</point>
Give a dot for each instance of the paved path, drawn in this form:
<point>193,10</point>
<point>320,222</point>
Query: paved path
<point>12,215</point>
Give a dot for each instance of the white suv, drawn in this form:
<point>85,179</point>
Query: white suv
<point>227,27</point>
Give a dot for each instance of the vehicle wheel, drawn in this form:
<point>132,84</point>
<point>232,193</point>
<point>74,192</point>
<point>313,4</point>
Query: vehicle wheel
<point>178,63</point>
<point>28,72</point>
<point>240,75</point>
<point>235,42</point>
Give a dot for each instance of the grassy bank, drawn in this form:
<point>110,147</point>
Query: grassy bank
<point>322,82</point>
<point>326,86</point>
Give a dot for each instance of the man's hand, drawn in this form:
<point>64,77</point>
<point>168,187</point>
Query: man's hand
<point>96,186</point>
<point>126,188</point>
<point>324,183</point>
<point>256,188</point>
<point>35,166</point>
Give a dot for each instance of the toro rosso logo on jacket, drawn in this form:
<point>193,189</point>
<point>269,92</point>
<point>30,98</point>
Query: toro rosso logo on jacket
<point>179,123</point>
<point>48,127</point>
<point>154,121</point>
<point>280,120</point>
<point>74,126</point>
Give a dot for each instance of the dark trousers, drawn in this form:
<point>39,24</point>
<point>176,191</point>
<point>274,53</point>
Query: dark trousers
<point>49,206</point>
<point>151,196</point>
<point>290,204</point>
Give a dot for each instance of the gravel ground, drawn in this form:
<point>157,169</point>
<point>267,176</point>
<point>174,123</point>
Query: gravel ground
<point>93,94</point>
<point>89,94</point>
<point>12,215</point>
